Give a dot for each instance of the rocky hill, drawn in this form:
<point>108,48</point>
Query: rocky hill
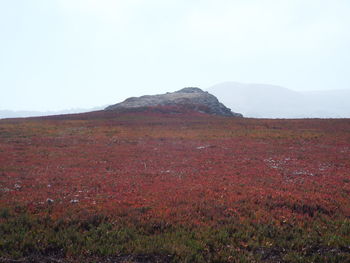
<point>188,98</point>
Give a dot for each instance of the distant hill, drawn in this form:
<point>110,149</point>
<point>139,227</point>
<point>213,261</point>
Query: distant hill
<point>252,100</point>
<point>270,101</point>
<point>193,99</point>
<point>22,114</point>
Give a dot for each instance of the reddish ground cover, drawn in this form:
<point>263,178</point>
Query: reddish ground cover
<point>190,169</point>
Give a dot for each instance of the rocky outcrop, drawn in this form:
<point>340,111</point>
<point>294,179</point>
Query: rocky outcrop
<point>190,98</point>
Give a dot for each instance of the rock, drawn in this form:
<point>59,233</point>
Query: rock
<point>17,187</point>
<point>187,98</point>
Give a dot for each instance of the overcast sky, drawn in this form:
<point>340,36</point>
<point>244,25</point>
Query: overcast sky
<point>59,54</point>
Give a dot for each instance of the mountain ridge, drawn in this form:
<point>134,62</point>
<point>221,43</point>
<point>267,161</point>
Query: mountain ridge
<point>273,101</point>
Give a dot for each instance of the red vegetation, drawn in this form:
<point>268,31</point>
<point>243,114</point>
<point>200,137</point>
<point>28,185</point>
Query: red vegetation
<point>192,168</point>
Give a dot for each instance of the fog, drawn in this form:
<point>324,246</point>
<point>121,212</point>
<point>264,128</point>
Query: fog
<point>80,54</point>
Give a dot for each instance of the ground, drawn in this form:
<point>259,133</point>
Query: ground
<point>157,187</point>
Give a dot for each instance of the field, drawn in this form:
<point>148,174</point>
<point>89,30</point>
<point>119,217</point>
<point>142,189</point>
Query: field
<point>157,187</point>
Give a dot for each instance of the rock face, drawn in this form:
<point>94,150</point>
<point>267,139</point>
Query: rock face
<point>189,98</point>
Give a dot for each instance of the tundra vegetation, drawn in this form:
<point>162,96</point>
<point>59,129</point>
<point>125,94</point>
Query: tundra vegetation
<point>182,187</point>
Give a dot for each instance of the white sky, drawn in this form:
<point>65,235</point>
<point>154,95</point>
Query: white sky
<point>58,54</point>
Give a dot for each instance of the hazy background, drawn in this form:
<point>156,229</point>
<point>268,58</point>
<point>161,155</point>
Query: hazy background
<point>63,54</point>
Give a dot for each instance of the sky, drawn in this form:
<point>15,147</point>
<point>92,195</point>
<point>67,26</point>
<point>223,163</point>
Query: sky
<point>62,54</point>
